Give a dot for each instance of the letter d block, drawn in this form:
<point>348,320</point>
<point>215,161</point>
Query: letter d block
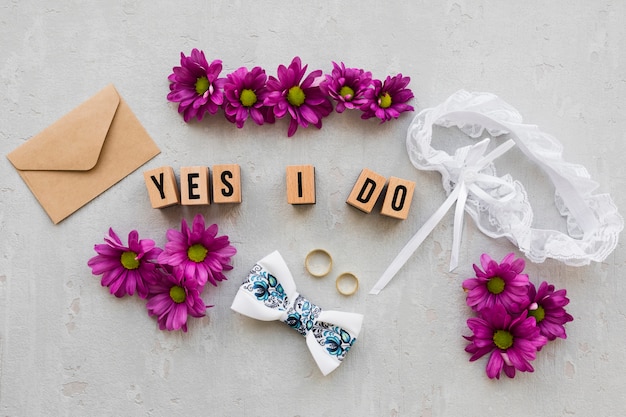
<point>226,183</point>
<point>161,185</point>
<point>194,186</point>
<point>301,184</point>
<point>398,199</point>
<point>365,192</point>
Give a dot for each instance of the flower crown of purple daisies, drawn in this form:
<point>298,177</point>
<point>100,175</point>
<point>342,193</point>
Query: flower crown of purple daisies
<point>171,279</point>
<point>304,98</point>
<point>514,318</point>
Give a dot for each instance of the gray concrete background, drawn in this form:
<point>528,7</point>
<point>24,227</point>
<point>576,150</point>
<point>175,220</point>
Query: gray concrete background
<point>68,348</point>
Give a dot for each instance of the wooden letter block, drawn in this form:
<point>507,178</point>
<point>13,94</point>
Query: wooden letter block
<point>301,184</point>
<point>194,186</point>
<point>398,199</point>
<point>365,192</point>
<point>161,185</point>
<point>226,180</point>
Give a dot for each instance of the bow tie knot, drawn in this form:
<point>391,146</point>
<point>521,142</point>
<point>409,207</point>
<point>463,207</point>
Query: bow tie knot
<point>302,315</point>
<point>269,293</point>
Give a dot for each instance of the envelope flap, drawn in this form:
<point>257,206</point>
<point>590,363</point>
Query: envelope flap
<point>73,142</point>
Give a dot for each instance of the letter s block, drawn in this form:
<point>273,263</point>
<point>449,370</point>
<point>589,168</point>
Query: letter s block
<point>301,184</point>
<point>194,186</point>
<point>366,191</point>
<point>226,181</point>
<point>398,199</point>
<point>161,185</point>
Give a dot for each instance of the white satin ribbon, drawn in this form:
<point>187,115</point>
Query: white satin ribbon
<point>469,175</point>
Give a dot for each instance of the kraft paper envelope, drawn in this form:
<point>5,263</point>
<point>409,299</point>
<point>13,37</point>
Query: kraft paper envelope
<point>83,154</point>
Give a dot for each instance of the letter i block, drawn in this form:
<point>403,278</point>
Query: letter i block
<point>398,199</point>
<point>365,192</point>
<point>301,184</point>
<point>161,185</point>
<point>194,186</point>
<point>226,183</point>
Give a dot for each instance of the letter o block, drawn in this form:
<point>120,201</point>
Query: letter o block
<point>226,180</point>
<point>398,199</point>
<point>161,185</point>
<point>366,191</point>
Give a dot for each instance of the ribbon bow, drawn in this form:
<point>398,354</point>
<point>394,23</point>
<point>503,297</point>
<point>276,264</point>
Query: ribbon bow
<point>269,293</point>
<point>469,176</point>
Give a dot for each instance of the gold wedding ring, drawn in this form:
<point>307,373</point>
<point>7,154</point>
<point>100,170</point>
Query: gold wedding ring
<point>318,263</point>
<point>347,283</point>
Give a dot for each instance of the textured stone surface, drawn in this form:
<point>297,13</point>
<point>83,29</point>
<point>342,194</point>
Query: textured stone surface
<point>68,348</point>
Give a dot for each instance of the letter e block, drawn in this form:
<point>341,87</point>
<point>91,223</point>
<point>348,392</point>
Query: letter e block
<point>398,199</point>
<point>226,180</point>
<point>366,191</point>
<point>194,186</point>
<point>161,185</point>
<point>301,184</point>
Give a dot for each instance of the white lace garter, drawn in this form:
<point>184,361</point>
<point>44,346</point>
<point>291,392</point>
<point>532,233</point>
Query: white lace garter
<point>500,205</point>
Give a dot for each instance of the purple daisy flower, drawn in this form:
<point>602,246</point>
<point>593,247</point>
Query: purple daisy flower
<point>302,99</point>
<point>196,86</point>
<point>172,300</point>
<point>547,307</point>
<point>244,94</point>
<point>512,341</point>
<point>387,100</point>
<point>347,86</point>
<point>125,269</point>
<point>499,284</point>
<point>198,253</point>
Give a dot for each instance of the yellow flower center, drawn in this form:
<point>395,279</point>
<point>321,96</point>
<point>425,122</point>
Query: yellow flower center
<point>197,252</point>
<point>503,339</point>
<point>177,294</point>
<point>495,285</point>
<point>539,313</point>
<point>247,97</point>
<point>295,96</point>
<point>384,101</point>
<point>129,260</point>
<point>346,92</point>
<point>202,84</point>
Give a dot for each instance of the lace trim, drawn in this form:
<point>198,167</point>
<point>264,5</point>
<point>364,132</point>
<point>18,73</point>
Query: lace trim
<point>593,222</point>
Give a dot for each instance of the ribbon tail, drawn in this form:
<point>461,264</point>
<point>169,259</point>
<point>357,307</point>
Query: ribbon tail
<point>415,242</point>
<point>458,226</point>
<point>465,189</point>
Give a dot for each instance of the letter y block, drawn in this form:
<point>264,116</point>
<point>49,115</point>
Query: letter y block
<point>161,185</point>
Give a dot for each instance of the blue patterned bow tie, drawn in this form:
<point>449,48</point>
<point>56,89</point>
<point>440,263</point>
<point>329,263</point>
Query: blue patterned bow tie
<point>269,293</point>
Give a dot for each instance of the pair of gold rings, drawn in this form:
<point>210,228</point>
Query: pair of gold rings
<point>319,263</point>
